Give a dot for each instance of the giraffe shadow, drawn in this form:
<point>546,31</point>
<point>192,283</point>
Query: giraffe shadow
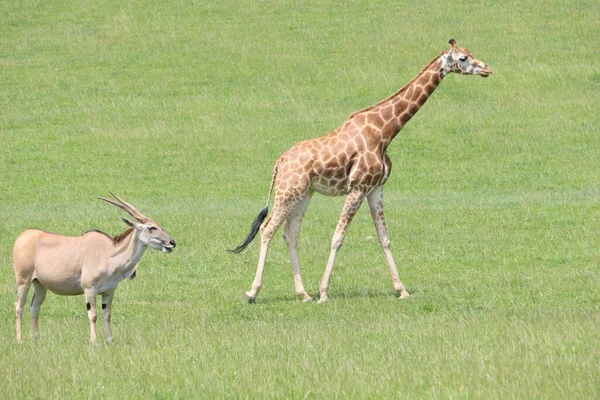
<point>364,294</point>
<point>333,296</point>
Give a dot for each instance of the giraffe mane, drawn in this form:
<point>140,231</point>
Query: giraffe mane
<point>403,88</point>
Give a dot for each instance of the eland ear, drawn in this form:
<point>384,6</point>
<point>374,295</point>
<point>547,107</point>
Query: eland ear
<point>128,222</point>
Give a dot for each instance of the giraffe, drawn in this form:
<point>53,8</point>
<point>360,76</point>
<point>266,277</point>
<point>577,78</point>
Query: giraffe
<point>352,161</point>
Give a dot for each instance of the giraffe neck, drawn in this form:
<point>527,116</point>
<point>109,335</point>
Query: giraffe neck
<point>395,111</point>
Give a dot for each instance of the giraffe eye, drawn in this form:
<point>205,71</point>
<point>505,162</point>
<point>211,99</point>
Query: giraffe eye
<point>462,58</point>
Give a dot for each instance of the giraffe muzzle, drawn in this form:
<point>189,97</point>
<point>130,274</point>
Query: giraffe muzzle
<point>485,71</point>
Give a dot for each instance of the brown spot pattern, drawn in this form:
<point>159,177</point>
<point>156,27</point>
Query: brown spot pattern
<point>352,158</point>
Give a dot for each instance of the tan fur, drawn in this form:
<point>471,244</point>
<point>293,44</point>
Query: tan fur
<point>66,264</point>
<point>91,264</point>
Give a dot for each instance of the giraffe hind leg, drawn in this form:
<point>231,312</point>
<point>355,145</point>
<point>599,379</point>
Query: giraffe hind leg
<point>290,235</point>
<point>266,235</point>
<point>281,210</point>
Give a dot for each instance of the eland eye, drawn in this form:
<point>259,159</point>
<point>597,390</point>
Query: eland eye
<point>462,58</point>
<point>152,228</point>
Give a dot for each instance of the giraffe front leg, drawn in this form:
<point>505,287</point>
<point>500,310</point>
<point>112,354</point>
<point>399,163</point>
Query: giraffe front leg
<point>351,206</point>
<point>290,235</point>
<point>375,200</point>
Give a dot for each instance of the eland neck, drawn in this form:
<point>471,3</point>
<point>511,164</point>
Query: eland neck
<point>128,250</point>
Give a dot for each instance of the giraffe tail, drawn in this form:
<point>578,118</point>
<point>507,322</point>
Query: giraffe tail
<point>261,216</point>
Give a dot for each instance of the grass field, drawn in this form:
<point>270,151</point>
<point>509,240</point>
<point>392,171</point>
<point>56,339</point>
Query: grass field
<point>182,109</point>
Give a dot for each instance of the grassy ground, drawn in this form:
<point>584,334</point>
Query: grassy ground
<point>182,109</point>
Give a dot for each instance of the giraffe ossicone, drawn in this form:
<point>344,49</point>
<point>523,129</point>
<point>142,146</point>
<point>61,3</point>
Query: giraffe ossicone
<point>351,160</point>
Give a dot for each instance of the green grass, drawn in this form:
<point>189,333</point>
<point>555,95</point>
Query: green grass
<point>182,108</point>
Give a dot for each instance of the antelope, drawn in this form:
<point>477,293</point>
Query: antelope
<point>91,264</point>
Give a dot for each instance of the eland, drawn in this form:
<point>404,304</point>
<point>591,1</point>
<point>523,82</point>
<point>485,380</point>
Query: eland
<point>91,264</point>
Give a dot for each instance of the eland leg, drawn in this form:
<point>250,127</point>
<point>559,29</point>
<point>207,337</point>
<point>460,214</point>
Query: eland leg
<point>375,200</point>
<point>22,291</point>
<point>290,235</point>
<point>351,206</point>
<point>107,299</point>
<point>36,303</point>
<point>90,304</point>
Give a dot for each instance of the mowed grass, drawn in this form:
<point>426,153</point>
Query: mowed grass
<point>182,109</point>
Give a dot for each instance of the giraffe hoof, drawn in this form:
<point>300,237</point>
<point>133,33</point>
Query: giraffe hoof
<point>304,297</point>
<point>251,299</point>
<point>323,300</point>
<point>404,295</point>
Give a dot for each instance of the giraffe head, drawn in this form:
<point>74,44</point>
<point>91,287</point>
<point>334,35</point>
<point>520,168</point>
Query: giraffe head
<point>461,61</point>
